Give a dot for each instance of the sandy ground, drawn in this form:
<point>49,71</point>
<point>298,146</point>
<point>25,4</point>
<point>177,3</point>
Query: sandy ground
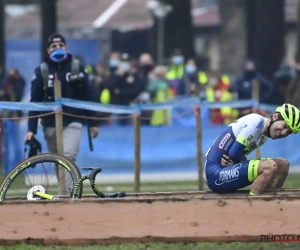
<point>142,219</point>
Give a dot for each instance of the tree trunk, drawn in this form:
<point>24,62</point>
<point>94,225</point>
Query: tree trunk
<point>178,30</point>
<point>232,36</point>
<point>269,36</point>
<point>250,10</point>
<point>49,23</point>
<point>2,35</point>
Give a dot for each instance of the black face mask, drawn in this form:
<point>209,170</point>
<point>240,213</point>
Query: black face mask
<point>113,69</point>
<point>250,74</point>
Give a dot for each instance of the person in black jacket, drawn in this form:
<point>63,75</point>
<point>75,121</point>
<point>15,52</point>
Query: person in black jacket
<point>125,85</point>
<point>73,87</point>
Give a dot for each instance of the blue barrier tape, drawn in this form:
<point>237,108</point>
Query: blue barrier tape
<point>133,109</point>
<point>234,104</point>
<point>116,109</point>
<point>180,102</point>
<point>30,106</point>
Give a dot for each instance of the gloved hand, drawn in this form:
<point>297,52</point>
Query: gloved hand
<point>35,146</point>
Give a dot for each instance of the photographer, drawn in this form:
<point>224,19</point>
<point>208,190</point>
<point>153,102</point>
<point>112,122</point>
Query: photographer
<point>74,86</point>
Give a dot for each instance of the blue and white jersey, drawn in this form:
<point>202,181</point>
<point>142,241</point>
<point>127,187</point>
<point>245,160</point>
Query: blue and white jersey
<point>239,139</point>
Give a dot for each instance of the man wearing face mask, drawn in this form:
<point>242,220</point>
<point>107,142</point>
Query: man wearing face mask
<point>59,63</point>
<point>113,62</point>
<point>243,86</point>
<point>124,86</point>
<point>176,70</point>
<point>189,82</point>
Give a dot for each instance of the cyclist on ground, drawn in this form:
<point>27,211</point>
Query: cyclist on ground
<point>227,168</point>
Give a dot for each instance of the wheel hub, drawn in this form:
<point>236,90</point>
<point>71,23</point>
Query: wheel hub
<point>37,188</point>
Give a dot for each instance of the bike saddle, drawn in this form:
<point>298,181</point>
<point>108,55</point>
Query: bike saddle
<point>89,169</point>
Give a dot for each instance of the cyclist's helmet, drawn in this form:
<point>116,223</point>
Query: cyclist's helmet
<point>291,115</point>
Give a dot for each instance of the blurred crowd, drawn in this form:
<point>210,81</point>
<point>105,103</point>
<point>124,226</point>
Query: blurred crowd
<point>126,81</point>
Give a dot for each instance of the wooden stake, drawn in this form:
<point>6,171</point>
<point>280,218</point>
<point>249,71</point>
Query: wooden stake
<point>255,96</point>
<point>137,153</point>
<point>198,118</point>
<point>199,147</point>
<point>59,137</point>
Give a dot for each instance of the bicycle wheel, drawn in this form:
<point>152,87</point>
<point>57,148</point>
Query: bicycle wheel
<point>30,175</point>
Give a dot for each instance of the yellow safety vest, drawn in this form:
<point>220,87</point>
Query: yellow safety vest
<point>202,77</point>
<point>161,117</point>
<point>229,114</point>
<point>175,72</point>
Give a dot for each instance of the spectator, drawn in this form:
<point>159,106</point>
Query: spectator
<point>217,91</point>
<point>114,62</point>
<point>176,70</point>
<point>99,81</point>
<point>160,91</point>
<point>124,86</point>
<point>101,91</point>
<point>59,63</point>
<point>243,86</point>
<point>293,91</point>
<point>189,83</point>
<point>146,64</point>
<point>14,87</point>
<point>282,79</point>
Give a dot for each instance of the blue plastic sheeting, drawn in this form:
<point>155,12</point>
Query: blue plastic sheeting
<point>134,109</point>
<point>12,145</point>
<point>164,149</point>
<point>117,109</point>
<point>31,106</point>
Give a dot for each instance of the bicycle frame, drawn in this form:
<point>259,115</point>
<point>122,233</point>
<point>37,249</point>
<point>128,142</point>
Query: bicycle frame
<point>77,187</point>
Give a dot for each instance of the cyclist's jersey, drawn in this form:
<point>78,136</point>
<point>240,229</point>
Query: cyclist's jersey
<point>239,139</point>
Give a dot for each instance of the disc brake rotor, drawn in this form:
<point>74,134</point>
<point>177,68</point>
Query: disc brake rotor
<point>37,188</point>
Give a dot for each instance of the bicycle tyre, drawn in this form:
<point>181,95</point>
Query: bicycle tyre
<point>40,158</point>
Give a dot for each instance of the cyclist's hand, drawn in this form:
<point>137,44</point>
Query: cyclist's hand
<point>29,136</point>
<point>225,161</point>
<point>94,131</point>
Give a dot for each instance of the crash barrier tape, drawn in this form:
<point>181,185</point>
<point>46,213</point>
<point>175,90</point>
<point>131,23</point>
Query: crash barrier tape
<point>134,109</point>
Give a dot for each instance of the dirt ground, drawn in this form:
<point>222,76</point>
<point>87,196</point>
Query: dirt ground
<point>133,219</point>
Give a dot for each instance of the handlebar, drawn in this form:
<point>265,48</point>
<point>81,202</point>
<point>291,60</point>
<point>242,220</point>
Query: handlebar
<point>91,177</point>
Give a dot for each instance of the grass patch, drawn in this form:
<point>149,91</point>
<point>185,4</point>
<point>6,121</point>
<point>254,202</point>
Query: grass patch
<point>167,246</point>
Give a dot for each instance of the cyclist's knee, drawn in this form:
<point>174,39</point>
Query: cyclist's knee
<point>267,167</point>
<point>282,164</point>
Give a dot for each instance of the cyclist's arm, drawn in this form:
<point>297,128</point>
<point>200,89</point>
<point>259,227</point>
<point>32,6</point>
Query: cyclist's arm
<point>236,153</point>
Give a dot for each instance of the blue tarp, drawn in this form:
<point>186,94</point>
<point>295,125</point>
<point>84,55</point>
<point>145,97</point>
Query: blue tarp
<point>168,149</point>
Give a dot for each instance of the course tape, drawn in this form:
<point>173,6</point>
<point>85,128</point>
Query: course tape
<point>132,109</point>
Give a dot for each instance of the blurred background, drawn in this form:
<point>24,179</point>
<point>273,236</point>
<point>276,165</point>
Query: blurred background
<point>173,47</point>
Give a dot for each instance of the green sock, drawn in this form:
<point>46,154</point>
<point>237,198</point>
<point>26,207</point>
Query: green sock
<point>252,193</point>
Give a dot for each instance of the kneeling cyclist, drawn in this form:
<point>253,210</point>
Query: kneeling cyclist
<point>227,168</point>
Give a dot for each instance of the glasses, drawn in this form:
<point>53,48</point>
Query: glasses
<point>57,45</point>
